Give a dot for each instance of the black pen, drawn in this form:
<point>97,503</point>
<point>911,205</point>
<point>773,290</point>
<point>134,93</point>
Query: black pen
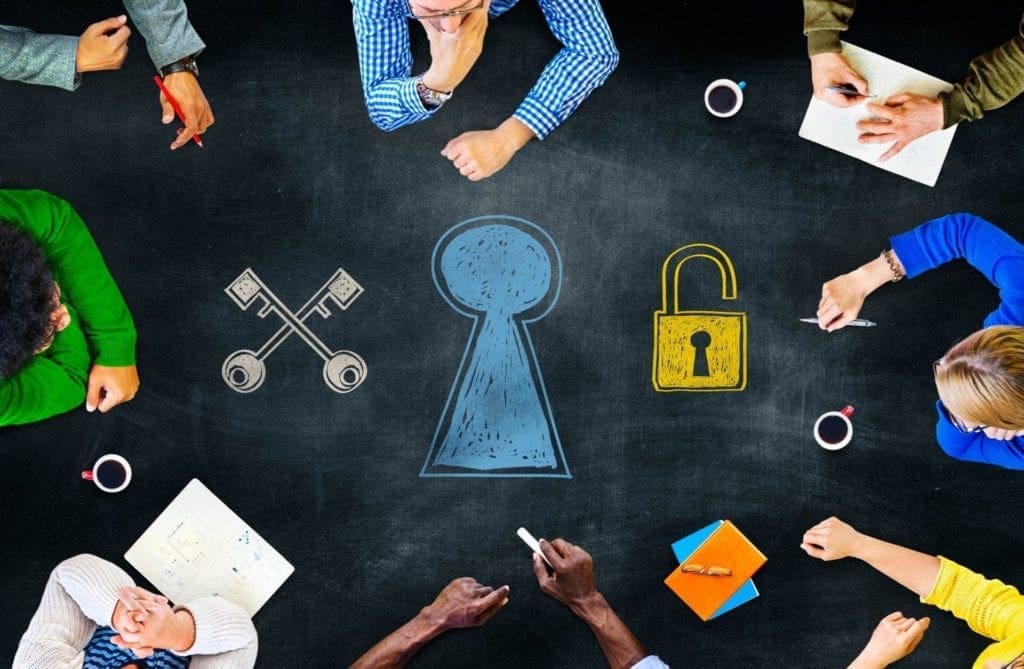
<point>848,89</point>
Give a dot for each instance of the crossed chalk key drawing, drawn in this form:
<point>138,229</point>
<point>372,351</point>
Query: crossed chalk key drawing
<point>245,370</point>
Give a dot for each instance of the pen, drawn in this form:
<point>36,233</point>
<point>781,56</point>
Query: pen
<point>847,89</point>
<point>859,322</point>
<point>175,106</point>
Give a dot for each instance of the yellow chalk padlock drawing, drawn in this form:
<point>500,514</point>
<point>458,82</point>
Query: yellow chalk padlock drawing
<point>698,350</point>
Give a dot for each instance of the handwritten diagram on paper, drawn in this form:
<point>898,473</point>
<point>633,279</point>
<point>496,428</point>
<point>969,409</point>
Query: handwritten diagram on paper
<point>835,127</point>
<point>244,370</point>
<point>503,273</point>
<point>198,547</point>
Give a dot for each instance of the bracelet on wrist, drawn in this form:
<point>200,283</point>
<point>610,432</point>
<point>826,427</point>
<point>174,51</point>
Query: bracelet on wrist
<point>897,273</point>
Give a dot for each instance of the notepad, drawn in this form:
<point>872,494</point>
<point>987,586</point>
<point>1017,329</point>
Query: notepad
<point>720,544</point>
<point>687,545</point>
<point>198,547</point>
<point>835,127</point>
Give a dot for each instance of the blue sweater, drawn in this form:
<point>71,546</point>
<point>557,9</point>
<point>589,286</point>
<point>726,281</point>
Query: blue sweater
<point>1000,258</point>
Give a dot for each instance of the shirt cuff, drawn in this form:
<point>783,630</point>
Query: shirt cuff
<point>650,662</point>
<point>66,64</point>
<point>822,41</point>
<point>411,99</point>
<point>538,118</point>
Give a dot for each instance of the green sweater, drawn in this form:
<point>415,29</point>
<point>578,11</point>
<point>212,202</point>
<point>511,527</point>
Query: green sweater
<point>994,78</point>
<point>101,330</point>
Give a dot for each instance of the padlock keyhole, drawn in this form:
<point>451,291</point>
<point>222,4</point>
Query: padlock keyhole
<point>700,340</point>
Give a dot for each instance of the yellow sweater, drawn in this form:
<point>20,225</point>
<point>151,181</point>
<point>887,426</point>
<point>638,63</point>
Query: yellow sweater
<point>990,608</point>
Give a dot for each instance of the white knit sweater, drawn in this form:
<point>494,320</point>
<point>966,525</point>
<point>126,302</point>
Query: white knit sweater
<point>81,595</point>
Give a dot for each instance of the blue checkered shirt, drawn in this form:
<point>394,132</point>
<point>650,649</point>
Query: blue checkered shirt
<point>587,57</point>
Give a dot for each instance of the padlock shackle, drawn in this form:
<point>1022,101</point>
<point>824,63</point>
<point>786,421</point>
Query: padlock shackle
<point>677,258</point>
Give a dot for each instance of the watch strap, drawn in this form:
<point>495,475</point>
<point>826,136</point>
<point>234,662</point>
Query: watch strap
<point>187,64</point>
<point>430,98</point>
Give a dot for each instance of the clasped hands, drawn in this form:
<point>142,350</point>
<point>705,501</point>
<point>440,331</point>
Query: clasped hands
<point>104,46</point>
<point>899,120</point>
<point>145,622</point>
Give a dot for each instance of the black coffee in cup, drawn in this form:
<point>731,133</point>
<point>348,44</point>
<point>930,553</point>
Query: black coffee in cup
<point>832,429</point>
<point>111,474</point>
<point>722,99</point>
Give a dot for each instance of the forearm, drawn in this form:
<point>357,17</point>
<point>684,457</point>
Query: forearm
<point>823,21</point>
<point>165,26</point>
<point>994,78</point>
<point>48,60</point>
<point>621,648</point>
<point>912,569</point>
<point>587,59</point>
<point>385,66</point>
<point>396,649</point>
<point>875,274</point>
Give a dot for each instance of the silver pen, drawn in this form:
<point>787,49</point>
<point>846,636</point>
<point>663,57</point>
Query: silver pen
<point>859,322</point>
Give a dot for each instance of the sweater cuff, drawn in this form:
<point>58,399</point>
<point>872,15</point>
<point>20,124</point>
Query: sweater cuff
<point>821,41</point>
<point>115,350</point>
<point>943,585</point>
<point>953,108</point>
<point>909,251</point>
<point>221,626</point>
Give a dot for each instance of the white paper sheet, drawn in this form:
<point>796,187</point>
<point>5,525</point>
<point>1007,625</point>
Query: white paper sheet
<point>198,547</point>
<point>835,127</point>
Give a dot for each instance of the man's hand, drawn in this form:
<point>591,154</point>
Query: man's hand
<point>110,386</point>
<point>453,54</point>
<point>893,639</point>
<point>145,621</point>
<point>185,89</point>
<point>902,118</point>
<point>831,539</point>
<point>465,603</point>
<point>103,45</point>
<point>832,69</point>
<point>480,153</point>
<point>572,582</point>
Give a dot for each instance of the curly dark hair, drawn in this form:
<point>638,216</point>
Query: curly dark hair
<point>26,299</point>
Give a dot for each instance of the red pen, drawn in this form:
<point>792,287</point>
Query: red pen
<point>175,106</point>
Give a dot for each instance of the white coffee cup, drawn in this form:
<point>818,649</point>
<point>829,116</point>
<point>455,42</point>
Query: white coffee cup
<point>834,430</point>
<point>724,97</point>
<point>111,473</point>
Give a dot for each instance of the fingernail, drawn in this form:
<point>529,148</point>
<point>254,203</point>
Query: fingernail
<point>90,408</point>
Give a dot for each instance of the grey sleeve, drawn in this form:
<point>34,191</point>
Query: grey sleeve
<point>48,60</point>
<point>165,26</point>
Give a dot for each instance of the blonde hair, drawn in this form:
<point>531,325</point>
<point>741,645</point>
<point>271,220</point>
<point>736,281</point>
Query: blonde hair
<point>981,379</point>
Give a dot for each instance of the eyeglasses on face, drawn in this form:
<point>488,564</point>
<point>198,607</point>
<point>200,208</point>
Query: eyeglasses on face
<point>442,15</point>
<point>706,571</point>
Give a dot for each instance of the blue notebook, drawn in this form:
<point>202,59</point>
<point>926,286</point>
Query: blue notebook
<point>687,545</point>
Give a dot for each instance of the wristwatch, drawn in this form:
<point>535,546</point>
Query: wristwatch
<point>186,64</point>
<point>430,98</point>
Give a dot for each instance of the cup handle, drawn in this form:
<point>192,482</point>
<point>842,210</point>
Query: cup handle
<point>847,411</point>
<point>87,475</point>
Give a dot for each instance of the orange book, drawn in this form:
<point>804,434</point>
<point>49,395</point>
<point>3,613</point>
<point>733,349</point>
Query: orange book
<point>726,548</point>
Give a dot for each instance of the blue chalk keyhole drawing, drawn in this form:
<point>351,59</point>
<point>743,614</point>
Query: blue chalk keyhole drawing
<point>504,273</point>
